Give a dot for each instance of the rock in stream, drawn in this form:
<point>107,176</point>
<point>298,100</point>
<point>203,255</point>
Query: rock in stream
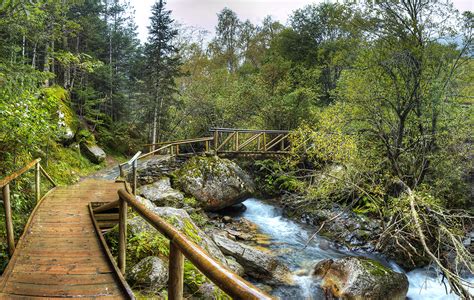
<point>360,278</point>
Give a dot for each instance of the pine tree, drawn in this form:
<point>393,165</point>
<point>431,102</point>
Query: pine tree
<point>163,66</point>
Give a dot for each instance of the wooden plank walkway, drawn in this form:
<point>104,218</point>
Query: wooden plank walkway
<point>60,254</point>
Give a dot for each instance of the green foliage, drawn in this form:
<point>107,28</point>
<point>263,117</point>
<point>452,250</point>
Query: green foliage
<point>67,165</point>
<point>273,178</point>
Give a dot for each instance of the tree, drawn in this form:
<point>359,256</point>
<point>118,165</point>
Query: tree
<point>163,66</point>
<point>225,45</point>
<point>324,36</point>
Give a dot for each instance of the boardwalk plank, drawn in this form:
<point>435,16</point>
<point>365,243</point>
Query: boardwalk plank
<point>60,254</point>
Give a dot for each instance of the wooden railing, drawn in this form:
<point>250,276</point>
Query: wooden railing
<point>250,140</point>
<point>234,140</point>
<point>171,148</point>
<point>174,146</point>
<point>5,186</point>
<point>180,247</point>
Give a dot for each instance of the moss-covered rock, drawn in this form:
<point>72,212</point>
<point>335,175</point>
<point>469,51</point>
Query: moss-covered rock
<point>93,152</point>
<point>214,182</point>
<point>162,194</point>
<point>181,220</point>
<point>361,278</point>
<point>150,275</point>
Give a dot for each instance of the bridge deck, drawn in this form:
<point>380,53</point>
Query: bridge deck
<point>60,254</point>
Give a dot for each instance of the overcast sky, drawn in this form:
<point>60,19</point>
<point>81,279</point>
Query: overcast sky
<point>203,13</point>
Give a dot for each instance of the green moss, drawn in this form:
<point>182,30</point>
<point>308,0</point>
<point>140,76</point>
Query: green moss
<point>191,201</point>
<point>139,246</point>
<point>67,165</point>
<point>86,136</point>
<point>374,267</point>
<point>199,218</point>
<point>60,96</point>
<point>202,166</point>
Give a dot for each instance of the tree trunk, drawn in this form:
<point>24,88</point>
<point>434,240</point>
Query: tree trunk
<point>46,64</point>
<point>153,135</point>
<point>33,60</point>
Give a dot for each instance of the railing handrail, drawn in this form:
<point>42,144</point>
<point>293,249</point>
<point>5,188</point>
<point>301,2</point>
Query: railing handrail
<point>18,173</point>
<point>228,281</point>
<point>5,187</point>
<point>229,130</point>
<point>181,142</point>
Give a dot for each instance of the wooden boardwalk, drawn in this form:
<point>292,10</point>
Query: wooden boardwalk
<point>60,254</point>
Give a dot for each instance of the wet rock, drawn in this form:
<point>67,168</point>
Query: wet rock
<point>150,274</point>
<point>360,278</point>
<point>181,220</point>
<point>351,230</point>
<point>216,183</point>
<point>256,263</point>
<point>155,168</point>
<point>161,193</point>
<point>93,152</point>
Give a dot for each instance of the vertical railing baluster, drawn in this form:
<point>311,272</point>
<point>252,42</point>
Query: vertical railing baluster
<point>236,141</point>
<point>134,170</point>
<point>122,235</point>
<point>37,182</point>
<point>216,140</point>
<point>8,219</point>
<point>264,142</point>
<point>176,273</point>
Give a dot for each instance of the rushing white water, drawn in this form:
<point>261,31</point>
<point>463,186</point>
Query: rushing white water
<point>289,239</point>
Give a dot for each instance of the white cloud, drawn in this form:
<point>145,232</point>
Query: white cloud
<point>203,13</point>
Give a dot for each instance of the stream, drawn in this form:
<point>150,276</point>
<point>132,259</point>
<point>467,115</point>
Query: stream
<point>288,239</point>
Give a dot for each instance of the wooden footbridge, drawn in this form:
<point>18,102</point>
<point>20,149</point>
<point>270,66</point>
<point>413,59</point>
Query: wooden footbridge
<point>62,253</point>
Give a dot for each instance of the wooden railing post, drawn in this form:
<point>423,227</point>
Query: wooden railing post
<point>122,243</point>
<point>216,140</point>
<point>176,273</point>
<point>236,141</point>
<point>8,219</point>
<point>134,170</point>
<point>207,146</point>
<point>37,182</point>
<point>264,142</point>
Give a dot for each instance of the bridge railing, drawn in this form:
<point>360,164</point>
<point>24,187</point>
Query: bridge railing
<point>180,247</point>
<point>5,186</point>
<point>235,140</point>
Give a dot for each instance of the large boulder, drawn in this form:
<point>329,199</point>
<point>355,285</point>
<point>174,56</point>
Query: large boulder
<point>216,183</point>
<point>93,152</point>
<point>181,220</point>
<point>357,278</point>
<point>150,274</point>
<point>256,263</point>
<point>161,193</point>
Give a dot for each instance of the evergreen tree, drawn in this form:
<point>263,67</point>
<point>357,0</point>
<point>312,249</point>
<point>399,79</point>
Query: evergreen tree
<point>163,66</point>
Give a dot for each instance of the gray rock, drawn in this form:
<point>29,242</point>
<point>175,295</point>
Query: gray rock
<point>181,220</point>
<point>93,152</point>
<point>161,193</point>
<point>150,274</point>
<point>256,263</point>
<point>216,183</point>
<point>361,278</point>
